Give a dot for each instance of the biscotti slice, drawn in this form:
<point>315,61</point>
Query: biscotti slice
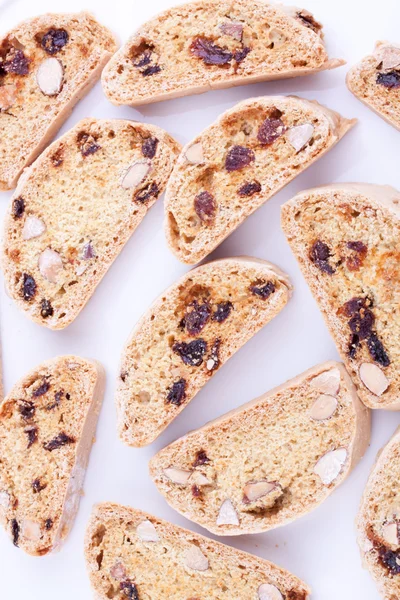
<point>131,554</point>
<point>378,521</point>
<point>212,44</point>
<point>46,65</point>
<point>189,332</point>
<point>346,239</point>
<point>236,165</point>
<point>270,461</point>
<point>47,427</point>
<point>376,81</point>
<point>75,208</point>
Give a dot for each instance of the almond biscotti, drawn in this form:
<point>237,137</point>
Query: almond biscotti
<point>131,554</point>
<point>75,208</point>
<point>47,427</point>
<point>46,65</point>
<point>346,239</point>
<point>376,81</point>
<point>235,165</point>
<point>189,332</point>
<point>270,461</point>
<point>212,44</point>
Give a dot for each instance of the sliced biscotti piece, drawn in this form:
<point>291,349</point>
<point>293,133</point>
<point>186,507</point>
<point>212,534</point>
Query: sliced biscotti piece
<point>74,210</point>
<point>376,81</point>
<point>346,239</point>
<point>131,554</point>
<point>270,461</point>
<point>47,427</point>
<point>212,44</point>
<point>235,165</point>
<point>189,332</point>
<point>46,65</point>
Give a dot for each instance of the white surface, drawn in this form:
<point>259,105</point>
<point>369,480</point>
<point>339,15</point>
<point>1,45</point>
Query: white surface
<point>321,547</point>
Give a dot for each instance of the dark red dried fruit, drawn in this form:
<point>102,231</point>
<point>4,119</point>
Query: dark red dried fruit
<point>54,40</point>
<point>355,261</point>
<point>309,21</point>
<point>123,376</point>
<point>28,287</point>
<point>205,206</point>
<point>150,191</point>
<point>32,433</point>
<point>57,158</point>
<point>222,312</point>
<point>192,353</point>
<point>241,54</point>
<point>377,350</point>
<point>57,400</point>
<point>263,289</point>
<point>389,80</point>
<point>197,318</point>
<point>201,458</point>
<point>210,53</point>
<point>48,524</point>
<point>320,255</point>
<point>26,409</point>
<point>38,486</point>
<point>177,392</point>
<point>151,70</point>
<point>249,189</point>
<point>355,305</point>
<point>18,207</point>
<point>87,143</point>
<point>42,389</point>
<point>390,559</point>
<point>149,147</point>
<point>62,439</point>
<point>270,130</point>
<point>144,58</point>
<point>353,346</point>
<point>46,309</point>
<point>16,62</point>
<point>196,491</point>
<point>238,157</point>
<point>129,589</point>
<point>213,358</point>
<point>15,529</point>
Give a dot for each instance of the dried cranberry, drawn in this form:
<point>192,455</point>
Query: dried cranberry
<point>57,400</point>
<point>62,439</point>
<point>46,309</point>
<point>210,53</point>
<point>42,389</point>
<point>150,191</point>
<point>249,189</point>
<point>16,62</point>
<point>309,21</point>
<point>18,207</point>
<point>177,392</point>
<point>263,289</point>
<point>28,287</point>
<point>197,318</point>
<point>241,54</point>
<point>355,305</point>
<point>270,130</point>
<point>196,491</point>
<point>32,433</point>
<point>87,143</point>
<point>353,346</point>
<point>201,458</point>
<point>192,353</point>
<point>15,529</point>
<point>361,324</point>
<point>48,524</point>
<point>129,589</point>
<point>319,255</point>
<point>144,58</point>
<point>151,70</point>
<point>377,350</point>
<point>355,261</point>
<point>38,486</point>
<point>26,409</point>
<point>149,147</point>
<point>238,157</point>
<point>390,559</point>
<point>389,80</point>
<point>222,312</point>
<point>54,40</point>
<point>205,206</point>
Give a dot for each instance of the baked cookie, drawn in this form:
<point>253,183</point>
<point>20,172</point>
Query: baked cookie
<point>131,554</point>
<point>346,238</point>
<point>213,44</point>
<point>270,461</point>
<point>234,166</point>
<point>47,427</point>
<point>376,81</point>
<point>75,208</point>
<point>46,65</point>
<point>189,332</point>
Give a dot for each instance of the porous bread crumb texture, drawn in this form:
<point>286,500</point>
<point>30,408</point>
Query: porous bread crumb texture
<point>74,47</point>
<point>176,564</point>
<point>239,162</point>
<point>47,424</point>
<point>187,335</point>
<point>346,239</point>
<point>262,458</point>
<point>74,210</point>
<point>199,46</point>
<point>376,81</point>
<point>378,521</point>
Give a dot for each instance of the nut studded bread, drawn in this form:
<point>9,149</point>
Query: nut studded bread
<point>74,210</point>
<point>46,65</point>
<point>270,461</point>
<point>212,44</point>
<point>378,521</point>
<point>131,554</point>
<point>47,427</point>
<point>346,239</point>
<point>189,332</point>
<point>235,165</point>
<point>376,82</point>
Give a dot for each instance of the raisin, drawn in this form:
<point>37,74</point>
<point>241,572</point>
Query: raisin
<point>210,53</point>
<point>62,439</point>
<point>38,486</point>
<point>16,62</point>
<point>54,40</point>
<point>270,130</point>
<point>15,529</point>
<point>129,589</point>
<point>196,491</point>
<point>238,157</point>
<point>362,323</point>
<point>389,80</point>
<point>377,350</point>
<point>28,287</point>
<point>213,359</point>
<point>205,206</point>
<point>390,559</point>
<point>149,147</point>
<point>18,207</point>
<point>191,353</point>
<point>353,346</point>
<point>241,54</point>
<point>249,189</point>
<point>41,390</point>
<point>197,318</point>
<point>201,458</point>
<point>32,433</point>
<point>355,261</point>
<point>355,305</point>
<point>144,59</point>
<point>151,70</point>
<point>48,524</point>
<point>26,409</point>
<point>150,191</point>
<point>87,143</point>
<point>177,392</point>
<point>319,255</point>
<point>57,400</point>
<point>46,309</point>
<point>309,21</point>
<point>222,312</point>
<point>262,289</point>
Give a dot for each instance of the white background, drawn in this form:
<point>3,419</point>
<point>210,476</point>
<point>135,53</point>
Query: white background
<point>321,547</point>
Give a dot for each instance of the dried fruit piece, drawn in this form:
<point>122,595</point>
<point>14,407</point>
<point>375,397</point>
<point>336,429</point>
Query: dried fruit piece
<point>62,439</point>
<point>135,174</point>
<point>201,458</point>
<point>26,409</point>
<point>299,136</point>
<point>309,21</point>
<point>227,514</point>
<point>241,54</point>
<point>254,490</point>
<point>390,559</point>
<point>50,77</point>
<point>205,206</point>
<point>270,130</point>
<point>329,466</point>
<point>149,147</point>
<point>355,261</point>
<point>377,350</point>
<point>28,287</point>
<point>129,589</point>
<point>233,30</point>
<point>197,318</point>
<point>373,378</point>
<point>323,408</point>
<point>88,251</point>
<point>147,532</point>
<point>50,265</point>
<point>390,533</point>
<point>16,62</point>
<point>320,254</point>
<point>15,530</point>
<point>33,228</point>
<point>32,433</point>
<point>87,143</point>
<point>150,191</point>
<point>267,591</point>
<point>249,189</point>
<point>222,312</point>
<point>54,40</point>
<point>48,524</point>
<point>263,289</point>
<point>210,53</point>
<point>41,390</point>
<point>195,559</point>
<point>327,382</point>
<point>177,392</point>
<point>238,157</point>
<point>38,486</point>
<point>179,476</point>
<point>151,70</point>
<point>191,353</point>
<point>18,207</point>
<point>389,80</point>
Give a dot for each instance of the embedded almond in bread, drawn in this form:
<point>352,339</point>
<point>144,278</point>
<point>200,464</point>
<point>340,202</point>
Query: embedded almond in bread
<point>189,332</point>
<point>131,554</point>
<point>346,240</point>
<point>212,44</point>
<point>47,427</point>
<point>75,208</point>
<point>270,461</point>
<point>236,165</point>
<point>376,81</point>
<point>46,65</point>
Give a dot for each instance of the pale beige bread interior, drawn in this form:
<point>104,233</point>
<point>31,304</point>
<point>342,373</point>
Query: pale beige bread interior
<point>46,65</point>
<point>75,208</point>
<point>376,81</point>
<point>188,333</point>
<point>234,166</point>
<point>212,44</point>
<point>346,240</point>
<point>270,461</point>
<point>47,427</point>
<point>378,521</point>
<point>131,554</point>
